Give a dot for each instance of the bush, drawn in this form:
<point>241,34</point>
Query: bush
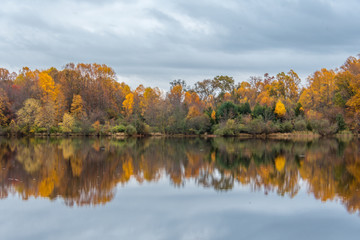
<point>55,130</point>
<point>286,127</point>
<point>257,126</point>
<point>272,127</point>
<point>340,122</point>
<point>244,108</point>
<point>130,130</point>
<point>175,126</point>
<point>13,127</point>
<point>323,127</point>
<point>198,125</point>
<point>118,129</point>
<point>40,130</point>
<point>300,125</point>
<point>142,128</point>
<point>228,129</point>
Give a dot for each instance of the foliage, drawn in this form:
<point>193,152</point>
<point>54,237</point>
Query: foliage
<point>198,125</point>
<point>130,130</point>
<point>280,109</point>
<point>286,127</point>
<point>227,110</point>
<point>323,127</point>
<point>28,113</point>
<point>257,126</point>
<point>68,123</point>
<point>300,125</point>
<point>340,122</point>
<point>118,129</point>
<point>230,128</point>
<point>77,107</point>
<point>79,95</point>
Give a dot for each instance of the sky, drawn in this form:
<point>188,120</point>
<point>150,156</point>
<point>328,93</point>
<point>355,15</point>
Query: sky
<point>153,42</point>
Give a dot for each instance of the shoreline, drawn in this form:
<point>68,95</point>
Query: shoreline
<point>278,136</point>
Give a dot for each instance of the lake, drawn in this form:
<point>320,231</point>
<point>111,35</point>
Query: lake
<point>179,188</point>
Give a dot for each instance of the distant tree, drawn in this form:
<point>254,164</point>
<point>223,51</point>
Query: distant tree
<point>77,107</point>
<point>280,109</point>
<point>28,113</point>
<point>68,123</point>
<point>45,117</point>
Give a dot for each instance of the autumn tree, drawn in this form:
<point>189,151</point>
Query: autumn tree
<point>128,104</point>
<point>280,109</point>
<point>68,123</point>
<point>46,116</point>
<point>151,106</point>
<point>4,107</point>
<point>77,107</point>
<point>223,84</point>
<point>28,113</point>
<point>47,86</point>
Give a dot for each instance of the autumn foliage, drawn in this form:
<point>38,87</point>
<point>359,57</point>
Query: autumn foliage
<point>78,96</point>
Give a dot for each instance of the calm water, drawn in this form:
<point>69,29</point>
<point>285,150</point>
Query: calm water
<point>179,188</point>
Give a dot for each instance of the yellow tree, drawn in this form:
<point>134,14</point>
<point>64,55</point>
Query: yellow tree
<point>319,96</point>
<point>27,114</point>
<point>280,109</point>
<point>194,103</point>
<point>77,107</point>
<point>68,123</point>
<point>47,85</point>
<point>128,104</point>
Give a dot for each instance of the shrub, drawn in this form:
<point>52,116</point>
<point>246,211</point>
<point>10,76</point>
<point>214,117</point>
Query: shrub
<point>286,127</point>
<point>130,130</point>
<point>40,130</point>
<point>199,124</point>
<point>257,126</point>
<point>230,128</point>
<point>175,126</point>
<point>300,125</point>
<point>272,127</point>
<point>55,129</point>
<point>13,127</point>
<point>323,127</point>
<point>142,128</point>
<point>340,122</point>
<point>118,128</point>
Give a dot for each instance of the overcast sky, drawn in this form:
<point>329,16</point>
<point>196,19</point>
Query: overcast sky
<point>155,41</point>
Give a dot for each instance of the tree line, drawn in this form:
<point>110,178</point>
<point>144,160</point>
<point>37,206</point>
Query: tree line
<point>88,99</point>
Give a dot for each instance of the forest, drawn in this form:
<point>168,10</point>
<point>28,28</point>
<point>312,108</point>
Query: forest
<point>88,99</point>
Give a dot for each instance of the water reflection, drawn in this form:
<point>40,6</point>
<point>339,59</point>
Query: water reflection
<point>86,171</point>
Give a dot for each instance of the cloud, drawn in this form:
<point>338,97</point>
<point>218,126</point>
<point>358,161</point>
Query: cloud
<point>153,42</point>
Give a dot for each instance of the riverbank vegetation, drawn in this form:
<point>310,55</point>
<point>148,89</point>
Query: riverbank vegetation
<point>87,99</point>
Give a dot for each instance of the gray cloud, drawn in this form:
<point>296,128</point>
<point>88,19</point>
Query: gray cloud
<point>153,42</point>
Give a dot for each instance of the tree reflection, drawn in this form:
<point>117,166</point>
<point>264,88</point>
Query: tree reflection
<point>86,171</point>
